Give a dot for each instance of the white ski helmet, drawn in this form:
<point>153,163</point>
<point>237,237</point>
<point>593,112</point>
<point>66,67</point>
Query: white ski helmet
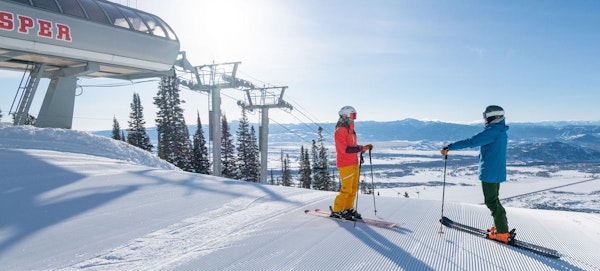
<point>348,112</point>
<point>493,112</point>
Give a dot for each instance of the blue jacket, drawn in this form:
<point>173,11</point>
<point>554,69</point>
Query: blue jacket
<point>492,153</point>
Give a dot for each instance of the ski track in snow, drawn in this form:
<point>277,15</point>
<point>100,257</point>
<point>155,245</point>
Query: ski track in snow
<point>195,236</point>
<point>416,246</point>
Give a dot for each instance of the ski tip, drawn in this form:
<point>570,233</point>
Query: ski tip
<point>306,211</point>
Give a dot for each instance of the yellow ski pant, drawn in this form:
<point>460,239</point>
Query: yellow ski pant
<point>349,187</point>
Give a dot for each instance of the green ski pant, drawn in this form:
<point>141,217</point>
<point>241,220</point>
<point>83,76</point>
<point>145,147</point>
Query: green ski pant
<point>490,194</point>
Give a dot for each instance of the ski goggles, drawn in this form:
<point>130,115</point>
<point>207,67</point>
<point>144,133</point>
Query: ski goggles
<point>493,114</point>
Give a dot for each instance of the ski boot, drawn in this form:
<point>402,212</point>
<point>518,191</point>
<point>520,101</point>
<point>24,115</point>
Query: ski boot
<point>347,214</point>
<point>336,214</point>
<point>507,237</point>
<point>344,214</point>
<point>355,214</point>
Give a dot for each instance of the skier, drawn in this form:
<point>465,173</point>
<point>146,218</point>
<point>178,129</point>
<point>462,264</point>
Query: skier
<point>346,148</point>
<point>492,166</point>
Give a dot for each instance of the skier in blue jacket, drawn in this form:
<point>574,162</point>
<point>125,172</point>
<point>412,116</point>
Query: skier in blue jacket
<point>492,166</point>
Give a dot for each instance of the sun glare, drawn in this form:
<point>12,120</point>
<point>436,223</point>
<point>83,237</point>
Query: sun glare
<point>230,28</point>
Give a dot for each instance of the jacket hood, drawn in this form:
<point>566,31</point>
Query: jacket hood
<point>499,125</point>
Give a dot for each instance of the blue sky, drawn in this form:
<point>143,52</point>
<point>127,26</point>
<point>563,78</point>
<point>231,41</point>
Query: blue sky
<point>429,60</point>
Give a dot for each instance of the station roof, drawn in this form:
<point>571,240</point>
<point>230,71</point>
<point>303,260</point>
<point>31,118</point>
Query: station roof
<point>143,45</point>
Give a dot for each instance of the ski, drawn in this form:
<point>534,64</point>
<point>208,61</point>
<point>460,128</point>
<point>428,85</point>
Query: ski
<point>540,250</point>
<point>368,221</point>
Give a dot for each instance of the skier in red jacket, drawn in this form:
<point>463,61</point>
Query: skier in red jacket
<point>346,148</point>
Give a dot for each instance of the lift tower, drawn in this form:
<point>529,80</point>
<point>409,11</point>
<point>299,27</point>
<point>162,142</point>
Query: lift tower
<point>263,99</point>
<point>211,79</point>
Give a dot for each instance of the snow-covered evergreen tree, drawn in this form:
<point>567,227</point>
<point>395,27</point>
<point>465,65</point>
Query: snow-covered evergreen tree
<point>116,130</point>
<point>174,144</point>
<point>321,176</point>
<point>136,134</point>
<point>254,157</point>
<point>201,162</point>
<point>247,151</point>
<point>304,172</point>
<point>228,160</point>
<point>286,174</point>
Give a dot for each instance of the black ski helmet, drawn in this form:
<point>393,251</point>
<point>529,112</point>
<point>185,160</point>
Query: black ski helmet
<point>492,113</point>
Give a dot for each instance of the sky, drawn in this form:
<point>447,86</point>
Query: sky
<point>103,205</point>
<point>391,60</point>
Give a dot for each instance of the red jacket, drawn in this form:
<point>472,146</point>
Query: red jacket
<point>346,146</point>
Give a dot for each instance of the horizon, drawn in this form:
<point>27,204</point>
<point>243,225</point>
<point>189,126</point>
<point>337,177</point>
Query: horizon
<point>205,126</point>
<point>549,122</point>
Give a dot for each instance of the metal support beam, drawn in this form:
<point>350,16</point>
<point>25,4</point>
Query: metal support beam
<point>263,99</point>
<point>59,104</point>
<point>22,113</point>
<point>263,137</point>
<point>215,130</point>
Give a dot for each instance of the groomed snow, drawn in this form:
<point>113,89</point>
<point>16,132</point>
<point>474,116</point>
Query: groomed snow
<point>74,201</point>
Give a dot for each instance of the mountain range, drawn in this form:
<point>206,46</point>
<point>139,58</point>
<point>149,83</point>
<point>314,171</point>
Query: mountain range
<point>551,142</point>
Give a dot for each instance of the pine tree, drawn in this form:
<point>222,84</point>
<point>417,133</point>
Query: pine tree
<point>321,176</point>
<point>254,157</point>
<point>364,187</point>
<point>286,174</point>
<point>304,171</point>
<point>247,151</point>
<point>315,164</point>
<point>174,144</point>
<point>136,134</point>
<point>116,130</point>
<point>272,179</point>
<point>201,163</point>
<point>228,162</point>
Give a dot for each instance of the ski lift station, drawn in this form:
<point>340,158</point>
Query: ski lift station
<point>62,40</point>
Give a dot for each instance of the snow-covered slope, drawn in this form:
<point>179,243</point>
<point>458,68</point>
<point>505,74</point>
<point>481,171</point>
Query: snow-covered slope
<point>73,201</point>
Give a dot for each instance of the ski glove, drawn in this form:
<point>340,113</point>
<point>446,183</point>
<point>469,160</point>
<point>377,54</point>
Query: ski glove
<point>366,148</point>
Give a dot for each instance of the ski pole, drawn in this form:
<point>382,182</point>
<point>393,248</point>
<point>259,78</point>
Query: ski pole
<point>358,184</point>
<point>372,183</point>
<point>443,192</point>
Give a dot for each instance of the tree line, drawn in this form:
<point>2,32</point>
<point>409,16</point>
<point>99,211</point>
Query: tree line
<point>240,159</point>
